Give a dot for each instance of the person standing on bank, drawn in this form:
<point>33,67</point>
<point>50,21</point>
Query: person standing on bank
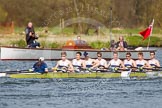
<point>31,36</point>
<point>121,44</point>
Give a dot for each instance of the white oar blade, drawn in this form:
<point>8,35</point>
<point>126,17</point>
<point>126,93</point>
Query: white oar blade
<point>125,73</point>
<point>3,74</point>
<point>160,74</point>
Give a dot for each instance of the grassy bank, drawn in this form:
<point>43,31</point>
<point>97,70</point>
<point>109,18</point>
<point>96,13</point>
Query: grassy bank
<point>138,41</point>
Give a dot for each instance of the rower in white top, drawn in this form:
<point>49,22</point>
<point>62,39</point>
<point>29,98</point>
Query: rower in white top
<point>153,62</point>
<point>101,64</point>
<point>89,62</point>
<point>141,63</point>
<point>129,62</point>
<point>64,65</point>
<point>78,63</point>
<point>116,63</point>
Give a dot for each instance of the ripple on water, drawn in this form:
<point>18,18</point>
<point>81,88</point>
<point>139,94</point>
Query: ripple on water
<point>60,93</point>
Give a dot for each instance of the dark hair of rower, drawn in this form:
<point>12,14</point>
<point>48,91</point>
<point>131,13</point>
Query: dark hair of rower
<point>128,53</point>
<point>152,52</point>
<point>79,53</point>
<point>140,53</point>
<point>63,53</point>
<point>99,54</point>
<point>115,53</point>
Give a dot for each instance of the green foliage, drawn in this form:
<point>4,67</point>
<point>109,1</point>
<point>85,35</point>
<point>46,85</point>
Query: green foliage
<point>99,44</point>
<point>3,14</point>
<point>126,13</point>
<point>138,41</point>
<point>47,44</point>
<point>19,43</point>
<point>42,35</point>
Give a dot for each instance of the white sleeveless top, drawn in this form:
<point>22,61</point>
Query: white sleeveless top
<point>102,62</point>
<point>89,62</point>
<point>76,62</point>
<point>141,62</point>
<point>64,63</point>
<point>153,62</point>
<point>128,62</point>
<point>115,63</point>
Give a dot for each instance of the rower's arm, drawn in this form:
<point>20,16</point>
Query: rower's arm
<point>147,65</point>
<point>122,65</point>
<point>158,64</point>
<point>134,64</point>
<point>57,65</point>
<point>71,67</point>
<point>83,64</point>
<point>96,64</point>
<point>106,65</point>
<point>46,67</point>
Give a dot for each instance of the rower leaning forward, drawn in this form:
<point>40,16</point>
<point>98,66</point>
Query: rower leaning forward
<point>89,62</point>
<point>78,63</point>
<point>101,63</point>
<point>154,63</point>
<point>142,63</point>
<point>63,65</point>
<point>115,64</point>
<point>129,63</point>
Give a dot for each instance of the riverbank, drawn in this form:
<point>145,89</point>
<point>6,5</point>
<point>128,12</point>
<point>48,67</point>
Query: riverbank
<point>56,38</point>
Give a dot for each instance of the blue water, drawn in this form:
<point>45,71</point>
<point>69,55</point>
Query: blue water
<point>78,93</point>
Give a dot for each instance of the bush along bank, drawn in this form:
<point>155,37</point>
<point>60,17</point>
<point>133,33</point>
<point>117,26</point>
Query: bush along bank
<point>137,41</point>
<point>133,41</point>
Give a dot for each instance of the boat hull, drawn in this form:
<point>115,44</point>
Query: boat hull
<point>10,53</point>
<point>81,75</point>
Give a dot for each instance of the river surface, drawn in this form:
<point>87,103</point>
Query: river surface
<point>78,93</point>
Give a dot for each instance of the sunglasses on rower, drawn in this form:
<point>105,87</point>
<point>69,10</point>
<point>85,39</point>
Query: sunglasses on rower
<point>98,56</point>
<point>127,56</point>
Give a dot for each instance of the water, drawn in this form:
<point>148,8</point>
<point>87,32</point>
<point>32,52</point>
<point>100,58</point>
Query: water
<point>78,93</point>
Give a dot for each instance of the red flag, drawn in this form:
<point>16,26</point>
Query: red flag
<point>146,33</point>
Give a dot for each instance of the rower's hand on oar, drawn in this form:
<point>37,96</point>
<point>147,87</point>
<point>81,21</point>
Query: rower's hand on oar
<point>54,69</point>
<point>116,68</point>
<point>89,69</point>
<point>140,68</point>
<point>46,70</point>
<point>155,68</point>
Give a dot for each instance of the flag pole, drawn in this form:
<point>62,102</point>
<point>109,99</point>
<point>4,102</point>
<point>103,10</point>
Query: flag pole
<point>110,24</point>
<point>150,35</point>
<point>148,44</point>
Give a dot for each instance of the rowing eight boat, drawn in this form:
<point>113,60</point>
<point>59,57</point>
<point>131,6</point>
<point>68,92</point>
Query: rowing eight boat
<point>84,75</point>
